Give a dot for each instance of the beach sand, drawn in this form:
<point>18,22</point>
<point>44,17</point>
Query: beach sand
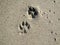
<point>21,25</point>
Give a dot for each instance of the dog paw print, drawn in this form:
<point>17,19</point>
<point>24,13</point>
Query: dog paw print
<point>32,11</point>
<point>24,27</point>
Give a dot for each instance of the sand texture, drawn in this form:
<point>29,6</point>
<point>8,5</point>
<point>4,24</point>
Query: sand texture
<point>29,22</point>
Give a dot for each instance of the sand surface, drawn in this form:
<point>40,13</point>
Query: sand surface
<point>44,29</point>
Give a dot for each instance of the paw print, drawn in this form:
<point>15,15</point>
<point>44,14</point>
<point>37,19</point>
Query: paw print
<point>24,27</point>
<point>32,11</point>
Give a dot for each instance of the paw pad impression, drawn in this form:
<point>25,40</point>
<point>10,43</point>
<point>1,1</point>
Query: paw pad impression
<point>32,11</point>
<point>24,27</point>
